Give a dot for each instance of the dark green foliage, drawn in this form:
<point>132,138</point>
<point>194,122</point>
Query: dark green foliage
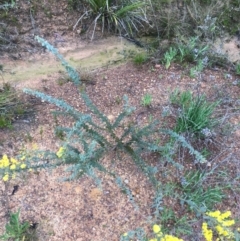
<point>140,58</point>
<point>229,18</point>
<point>121,16</point>
<point>73,4</point>
<point>186,51</point>
<point>18,231</point>
<point>238,69</point>
<point>7,4</point>
<point>205,19</point>
<point>10,106</point>
<point>191,50</point>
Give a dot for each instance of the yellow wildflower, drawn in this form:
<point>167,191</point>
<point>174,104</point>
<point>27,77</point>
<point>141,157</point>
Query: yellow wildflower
<point>214,214</point>
<point>22,158</point>
<point>227,214</point>
<point>156,228</point>
<point>221,216</point>
<point>225,231</point>
<point>13,161</point>
<point>34,146</point>
<point>228,223</point>
<point>4,162</point>
<point>170,238</point>
<point>153,239</point>
<point>23,165</point>
<point>5,178</point>
<point>13,167</point>
<point>125,234</point>
<point>207,233</point>
<point>60,152</point>
<point>159,234</point>
<point>221,231</point>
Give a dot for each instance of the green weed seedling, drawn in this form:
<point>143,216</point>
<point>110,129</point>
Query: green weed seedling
<point>59,133</point>
<point>180,98</point>
<point>238,69</point>
<point>194,71</point>
<point>140,58</point>
<point>5,122</point>
<point>18,231</point>
<point>173,224</point>
<point>146,100</point>
<point>193,52</point>
<point>169,57</point>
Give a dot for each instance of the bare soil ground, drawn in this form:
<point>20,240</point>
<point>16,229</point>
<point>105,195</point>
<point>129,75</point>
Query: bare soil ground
<point>79,210</point>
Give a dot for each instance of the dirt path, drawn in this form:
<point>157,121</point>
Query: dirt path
<point>86,55</point>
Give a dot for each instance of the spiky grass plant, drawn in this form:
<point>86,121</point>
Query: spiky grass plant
<point>123,17</point>
<point>194,114</point>
<point>146,100</point>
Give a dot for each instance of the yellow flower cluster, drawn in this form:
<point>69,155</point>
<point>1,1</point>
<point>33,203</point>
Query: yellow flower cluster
<point>221,229</point>
<point>207,233</point>
<point>170,238</point>
<point>10,164</point>
<point>161,237</point>
<point>223,223</point>
<point>60,152</point>
<point>220,217</point>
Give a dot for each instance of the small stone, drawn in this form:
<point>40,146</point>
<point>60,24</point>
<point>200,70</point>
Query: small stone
<point>157,66</point>
<point>126,181</point>
<point>95,194</point>
<point>110,117</point>
<point>228,76</point>
<point>236,82</point>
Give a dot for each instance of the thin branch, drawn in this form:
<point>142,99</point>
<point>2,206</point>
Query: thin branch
<point>76,24</point>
